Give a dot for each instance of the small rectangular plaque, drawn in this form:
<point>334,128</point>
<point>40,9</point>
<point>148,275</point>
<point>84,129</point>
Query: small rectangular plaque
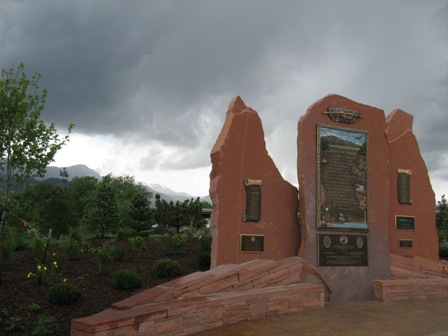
<point>405,223</point>
<point>342,250</point>
<point>252,243</point>
<point>253,200</point>
<point>405,243</point>
<point>404,186</point>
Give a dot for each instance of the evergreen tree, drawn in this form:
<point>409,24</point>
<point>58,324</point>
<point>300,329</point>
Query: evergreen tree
<point>179,214</point>
<point>56,213</point>
<point>140,213</point>
<point>103,218</point>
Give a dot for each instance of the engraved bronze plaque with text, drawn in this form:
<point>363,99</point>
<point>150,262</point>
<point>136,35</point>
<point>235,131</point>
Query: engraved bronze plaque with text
<point>404,186</point>
<point>405,243</point>
<point>405,223</point>
<point>252,243</point>
<point>253,200</point>
<point>342,250</point>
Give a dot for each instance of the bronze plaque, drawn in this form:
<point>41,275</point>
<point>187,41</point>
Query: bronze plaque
<point>405,243</point>
<point>253,200</point>
<point>404,186</point>
<point>342,181</point>
<point>252,243</point>
<point>405,223</point>
<point>342,250</point>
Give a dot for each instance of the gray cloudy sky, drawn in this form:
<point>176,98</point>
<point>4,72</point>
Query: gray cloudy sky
<point>147,83</point>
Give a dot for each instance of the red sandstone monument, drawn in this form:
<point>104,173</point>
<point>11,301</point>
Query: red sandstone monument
<point>367,226</point>
<point>254,209</point>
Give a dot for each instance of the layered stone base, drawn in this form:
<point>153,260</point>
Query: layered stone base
<point>188,316</point>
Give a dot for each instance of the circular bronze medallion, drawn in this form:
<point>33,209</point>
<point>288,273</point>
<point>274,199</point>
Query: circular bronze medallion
<point>343,240</point>
<point>359,242</point>
<point>327,241</point>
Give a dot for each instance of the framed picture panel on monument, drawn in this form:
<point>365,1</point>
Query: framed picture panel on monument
<point>342,179</point>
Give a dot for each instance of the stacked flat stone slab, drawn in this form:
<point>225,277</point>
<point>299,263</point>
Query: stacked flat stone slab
<point>404,153</point>
<point>189,316</point>
<point>346,283</point>
<point>240,153</point>
<point>417,268</point>
<point>257,273</point>
<point>205,300</point>
<point>410,289</point>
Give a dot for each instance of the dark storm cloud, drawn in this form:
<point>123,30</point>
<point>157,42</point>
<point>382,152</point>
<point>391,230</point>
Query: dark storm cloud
<point>152,70</point>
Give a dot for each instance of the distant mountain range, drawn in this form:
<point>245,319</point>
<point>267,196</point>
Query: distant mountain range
<point>52,176</point>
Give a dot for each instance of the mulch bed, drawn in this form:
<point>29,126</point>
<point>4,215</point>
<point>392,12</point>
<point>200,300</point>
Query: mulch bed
<point>18,292</point>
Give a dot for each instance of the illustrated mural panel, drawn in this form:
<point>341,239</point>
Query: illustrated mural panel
<point>342,179</point>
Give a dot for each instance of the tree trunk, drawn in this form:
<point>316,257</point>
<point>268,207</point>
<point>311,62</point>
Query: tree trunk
<point>2,243</point>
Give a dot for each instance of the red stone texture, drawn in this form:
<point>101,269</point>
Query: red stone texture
<point>410,289</point>
<point>345,283</point>
<point>188,316</point>
<point>417,267</point>
<point>240,153</point>
<point>404,153</point>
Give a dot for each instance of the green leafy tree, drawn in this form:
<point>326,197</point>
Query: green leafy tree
<point>81,194</point>
<point>125,188</point>
<point>178,215</point>
<point>27,144</point>
<point>103,218</point>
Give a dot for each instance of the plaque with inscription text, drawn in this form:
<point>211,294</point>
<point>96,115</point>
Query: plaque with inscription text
<point>405,223</point>
<point>405,243</point>
<point>252,243</point>
<point>342,181</point>
<point>404,186</point>
<point>342,250</point>
<point>253,200</point>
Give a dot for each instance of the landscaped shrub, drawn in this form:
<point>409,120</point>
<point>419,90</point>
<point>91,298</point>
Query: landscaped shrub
<point>19,242</point>
<point>166,268</point>
<point>69,246</point>
<point>41,328</point>
<point>38,247</point>
<point>175,242</point>
<point>204,259</point>
<point>64,294</point>
<point>110,252</point>
<point>443,251</point>
<point>126,232</point>
<point>206,240</point>
<point>138,243</point>
<point>126,279</point>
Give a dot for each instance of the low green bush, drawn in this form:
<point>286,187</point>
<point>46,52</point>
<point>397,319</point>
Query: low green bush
<point>109,252</point>
<point>175,242</point>
<point>203,259</point>
<point>69,246</point>
<point>126,232</point>
<point>206,240</point>
<point>41,328</point>
<point>166,268</point>
<point>443,251</point>
<point>139,243</point>
<point>64,294</point>
<point>126,279</point>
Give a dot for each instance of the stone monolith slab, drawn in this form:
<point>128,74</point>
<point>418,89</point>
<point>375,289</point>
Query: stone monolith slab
<point>344,283</point>
<point>238,155</point>
<point>412,230</point>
